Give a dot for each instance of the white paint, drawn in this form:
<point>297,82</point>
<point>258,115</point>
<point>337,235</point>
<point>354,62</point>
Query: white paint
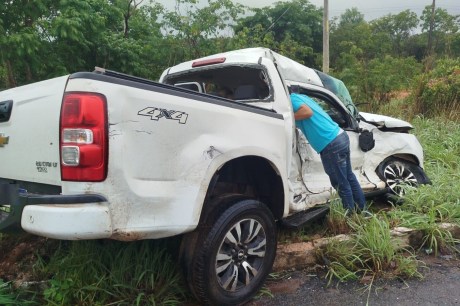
<point>33,131</point>
<point>385,121</point>
<point>72,222</point>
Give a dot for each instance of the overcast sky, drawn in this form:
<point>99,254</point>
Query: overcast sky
<point>371,9</point>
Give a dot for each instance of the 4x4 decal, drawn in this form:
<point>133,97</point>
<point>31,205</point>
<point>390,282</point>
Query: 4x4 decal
<point>157,113</point>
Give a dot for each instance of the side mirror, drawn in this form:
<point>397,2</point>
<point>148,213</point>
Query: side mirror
<point>366,140</point>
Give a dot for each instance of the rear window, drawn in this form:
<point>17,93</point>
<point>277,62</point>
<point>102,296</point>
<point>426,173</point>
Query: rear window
<point>245,83</point>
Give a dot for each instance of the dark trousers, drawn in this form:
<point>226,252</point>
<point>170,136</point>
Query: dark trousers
<point>337,164</point>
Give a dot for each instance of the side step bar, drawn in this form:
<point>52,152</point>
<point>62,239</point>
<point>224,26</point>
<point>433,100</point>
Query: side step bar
<point>301,218</point>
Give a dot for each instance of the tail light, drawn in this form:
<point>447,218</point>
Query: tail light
<point>84,137</point>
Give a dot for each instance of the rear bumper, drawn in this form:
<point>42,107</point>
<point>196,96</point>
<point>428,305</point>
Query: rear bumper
<point>71,217</point>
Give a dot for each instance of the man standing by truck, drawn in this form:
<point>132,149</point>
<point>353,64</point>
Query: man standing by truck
<point>333,145</point>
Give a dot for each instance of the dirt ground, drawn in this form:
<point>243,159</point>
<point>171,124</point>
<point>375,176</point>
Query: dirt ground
<point>440,286</point>
<point>18,254</point>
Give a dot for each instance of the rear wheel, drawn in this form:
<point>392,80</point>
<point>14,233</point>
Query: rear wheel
<point>233,257</point>
<point>400,175</point>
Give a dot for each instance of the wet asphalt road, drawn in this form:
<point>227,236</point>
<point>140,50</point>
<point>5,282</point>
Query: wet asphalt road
<point>440,286</point>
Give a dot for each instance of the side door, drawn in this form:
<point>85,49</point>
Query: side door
<point>314,177</point>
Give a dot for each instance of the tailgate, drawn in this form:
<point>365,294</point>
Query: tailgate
<point>29,132</point>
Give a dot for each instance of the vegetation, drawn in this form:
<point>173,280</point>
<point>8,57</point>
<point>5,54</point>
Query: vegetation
<point>6,297</point>
<point>374,58</point>
<point>104,272</point>
<point>370,251</point>
<point>386,63</point>
<point>438,90</point>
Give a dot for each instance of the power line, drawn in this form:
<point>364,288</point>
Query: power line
<point>274,22</point>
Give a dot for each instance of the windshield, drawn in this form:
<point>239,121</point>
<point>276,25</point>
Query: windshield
<point>340,90</point>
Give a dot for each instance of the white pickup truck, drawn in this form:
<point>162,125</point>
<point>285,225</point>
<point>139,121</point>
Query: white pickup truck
<point>210,152</point>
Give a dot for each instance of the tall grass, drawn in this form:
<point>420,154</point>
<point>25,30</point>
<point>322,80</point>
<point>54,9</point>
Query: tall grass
<point>370,251</point>
<point>114,273</point>
<point>429,206</point>
<point>337,219</point>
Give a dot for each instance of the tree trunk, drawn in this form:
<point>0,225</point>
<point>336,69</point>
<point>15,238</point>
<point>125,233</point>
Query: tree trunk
<point>10,81</point>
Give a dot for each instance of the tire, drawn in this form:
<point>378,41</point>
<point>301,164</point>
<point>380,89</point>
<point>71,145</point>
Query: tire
<point>233,257</point>
<point>399,175</point>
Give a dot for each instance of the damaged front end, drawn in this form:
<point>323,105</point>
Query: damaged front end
<point>386,123</point>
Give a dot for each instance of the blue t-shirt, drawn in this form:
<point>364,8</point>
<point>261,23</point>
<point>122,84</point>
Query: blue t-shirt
<point>319,129</point>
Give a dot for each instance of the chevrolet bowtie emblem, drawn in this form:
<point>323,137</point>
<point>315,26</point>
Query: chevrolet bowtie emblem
<point>4,140</point>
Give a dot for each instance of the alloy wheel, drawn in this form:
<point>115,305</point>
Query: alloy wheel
<point>399,178</point>
<point>240,255</point>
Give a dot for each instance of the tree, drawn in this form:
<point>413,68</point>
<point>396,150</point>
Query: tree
<point>196,31</point>
<point>444,28</point>
<point>135,45</point>
<point>350,36</point>
<point>298,22</point>
<point>398,27</point>
<point>351,17</point>
<point>76,31</point>
<point>21,43</point>
<point>46,38</point>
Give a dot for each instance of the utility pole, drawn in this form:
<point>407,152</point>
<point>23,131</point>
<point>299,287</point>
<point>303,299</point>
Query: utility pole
<point>430,33</point>
<point>326,37</point>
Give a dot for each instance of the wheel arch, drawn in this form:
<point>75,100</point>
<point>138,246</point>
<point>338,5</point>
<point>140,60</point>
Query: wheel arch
<point>407,157</point>
<point>401,156</point>
<point>248,176</point>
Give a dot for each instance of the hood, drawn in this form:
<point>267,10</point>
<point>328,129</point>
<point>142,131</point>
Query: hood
<point>382,121</point>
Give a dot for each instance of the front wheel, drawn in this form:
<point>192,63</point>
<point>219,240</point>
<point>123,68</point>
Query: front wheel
<point>236,255</point>
<point>400,175</point>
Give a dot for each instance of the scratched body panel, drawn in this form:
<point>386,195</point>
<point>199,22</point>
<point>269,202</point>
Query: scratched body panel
<point>164,150</point>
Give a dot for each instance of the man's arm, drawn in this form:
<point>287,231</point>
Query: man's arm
<point>304,112</point>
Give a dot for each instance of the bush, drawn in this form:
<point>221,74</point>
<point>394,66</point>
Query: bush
<point>390,75</point>
<point>437,91</point>
<point>379,79</point>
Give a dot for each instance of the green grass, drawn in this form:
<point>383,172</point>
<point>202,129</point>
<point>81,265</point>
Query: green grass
<point>114,273</point>
<point>6,295</point>
<point>432,205</point>
<point>337,220</point>
<point>370,251</point>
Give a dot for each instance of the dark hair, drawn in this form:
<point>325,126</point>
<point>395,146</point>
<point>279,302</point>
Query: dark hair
<point>294,89</point>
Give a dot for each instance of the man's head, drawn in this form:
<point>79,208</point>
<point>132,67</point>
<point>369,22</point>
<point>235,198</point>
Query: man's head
<point>294,89</point>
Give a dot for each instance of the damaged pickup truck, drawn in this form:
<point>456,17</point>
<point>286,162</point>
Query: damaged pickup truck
<point>210,152</point>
